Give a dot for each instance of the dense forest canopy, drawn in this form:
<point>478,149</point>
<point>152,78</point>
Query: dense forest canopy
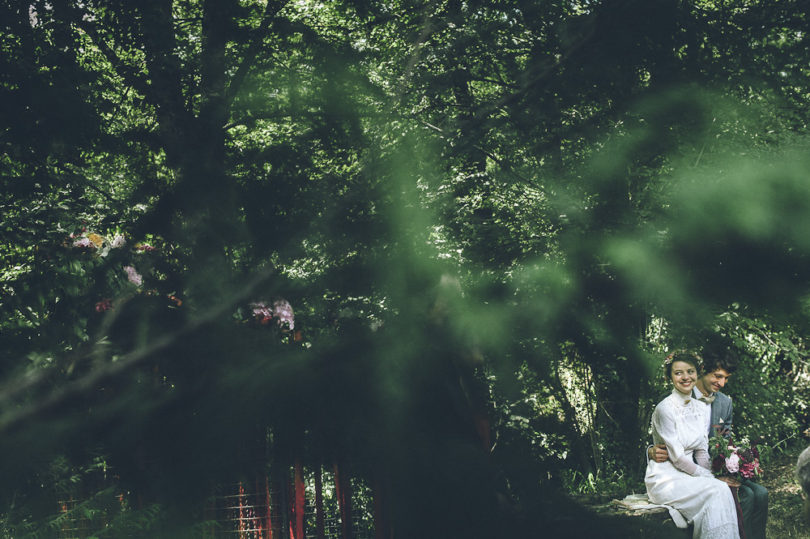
<point>502,209</point>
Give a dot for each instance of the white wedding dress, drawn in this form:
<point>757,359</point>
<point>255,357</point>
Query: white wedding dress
<point>678,421</point>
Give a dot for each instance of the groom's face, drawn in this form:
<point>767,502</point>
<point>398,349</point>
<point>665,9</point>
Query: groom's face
<point>715,381</point>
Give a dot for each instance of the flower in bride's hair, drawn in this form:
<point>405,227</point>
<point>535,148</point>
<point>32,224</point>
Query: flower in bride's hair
<point>683,355</point>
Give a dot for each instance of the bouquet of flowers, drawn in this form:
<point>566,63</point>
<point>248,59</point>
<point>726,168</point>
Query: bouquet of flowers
<point>737,460</point>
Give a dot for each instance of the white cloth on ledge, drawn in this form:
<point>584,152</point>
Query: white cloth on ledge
<point>640,502</point>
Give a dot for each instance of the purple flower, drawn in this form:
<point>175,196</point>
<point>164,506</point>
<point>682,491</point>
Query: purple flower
<point>133,276</point>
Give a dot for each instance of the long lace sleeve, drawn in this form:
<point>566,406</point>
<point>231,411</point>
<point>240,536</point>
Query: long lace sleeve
<point>701,457</point>
<point>663,422</point>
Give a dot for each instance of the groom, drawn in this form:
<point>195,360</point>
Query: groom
<point>719,365</point>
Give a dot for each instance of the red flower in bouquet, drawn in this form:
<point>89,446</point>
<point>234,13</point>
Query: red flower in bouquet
<point>749,470</point>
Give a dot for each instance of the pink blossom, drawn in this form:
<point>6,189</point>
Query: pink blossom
<point>733,463</point>
<point>133,276</point>
<point>261,312</point>
<point>144,247</point>
<point>283,312</point>
<point>103,305</point>
<point>118,241</point>
<point>84,242</point>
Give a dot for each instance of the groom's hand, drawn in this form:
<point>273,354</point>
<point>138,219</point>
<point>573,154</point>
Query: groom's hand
<point>658,453</point>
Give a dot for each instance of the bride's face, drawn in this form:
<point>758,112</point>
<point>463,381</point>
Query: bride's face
<point>683,376</point>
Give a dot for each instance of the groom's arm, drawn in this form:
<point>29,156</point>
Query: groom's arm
<point>658,452</point>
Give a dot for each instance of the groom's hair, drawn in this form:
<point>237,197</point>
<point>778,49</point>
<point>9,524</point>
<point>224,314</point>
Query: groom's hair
<point>719,353</point>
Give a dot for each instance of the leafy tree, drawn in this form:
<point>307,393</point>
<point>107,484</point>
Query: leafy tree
<point>507,207</point>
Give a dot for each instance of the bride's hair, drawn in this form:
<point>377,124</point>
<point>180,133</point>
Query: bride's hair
<point>682,355</point>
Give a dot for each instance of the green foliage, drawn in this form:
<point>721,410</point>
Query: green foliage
<point>614,486</point>
<point>772,386</point>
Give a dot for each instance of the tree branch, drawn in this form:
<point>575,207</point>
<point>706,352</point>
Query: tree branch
<point>501,162</point>
<point>166,92</point>
<point>121,69</point>
<point>270,11</point>
<point>89,184</point>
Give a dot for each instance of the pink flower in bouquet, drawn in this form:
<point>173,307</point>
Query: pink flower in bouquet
<point>133,276</point>
<point>144,247</point>
<point>733,463</point>
<point>103,305</point>
<point>738,460</point>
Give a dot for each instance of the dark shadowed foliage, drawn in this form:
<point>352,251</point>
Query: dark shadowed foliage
<point>440,248</point>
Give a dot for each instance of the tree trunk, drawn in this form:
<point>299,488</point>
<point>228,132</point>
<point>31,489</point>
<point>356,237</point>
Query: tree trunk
<point>319,523</point>
<point>344,495</point>
<point>299,499</point>
<point>578,448</point>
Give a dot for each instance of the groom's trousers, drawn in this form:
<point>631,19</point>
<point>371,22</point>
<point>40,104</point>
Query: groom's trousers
<point>754,505</point>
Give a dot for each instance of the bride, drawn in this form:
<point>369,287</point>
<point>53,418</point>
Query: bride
<point>684,481</point>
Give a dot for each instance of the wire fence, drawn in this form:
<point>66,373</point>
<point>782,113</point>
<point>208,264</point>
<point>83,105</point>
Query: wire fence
<point>259,508</point>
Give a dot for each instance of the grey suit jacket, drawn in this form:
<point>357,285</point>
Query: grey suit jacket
<point>722,413</point>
